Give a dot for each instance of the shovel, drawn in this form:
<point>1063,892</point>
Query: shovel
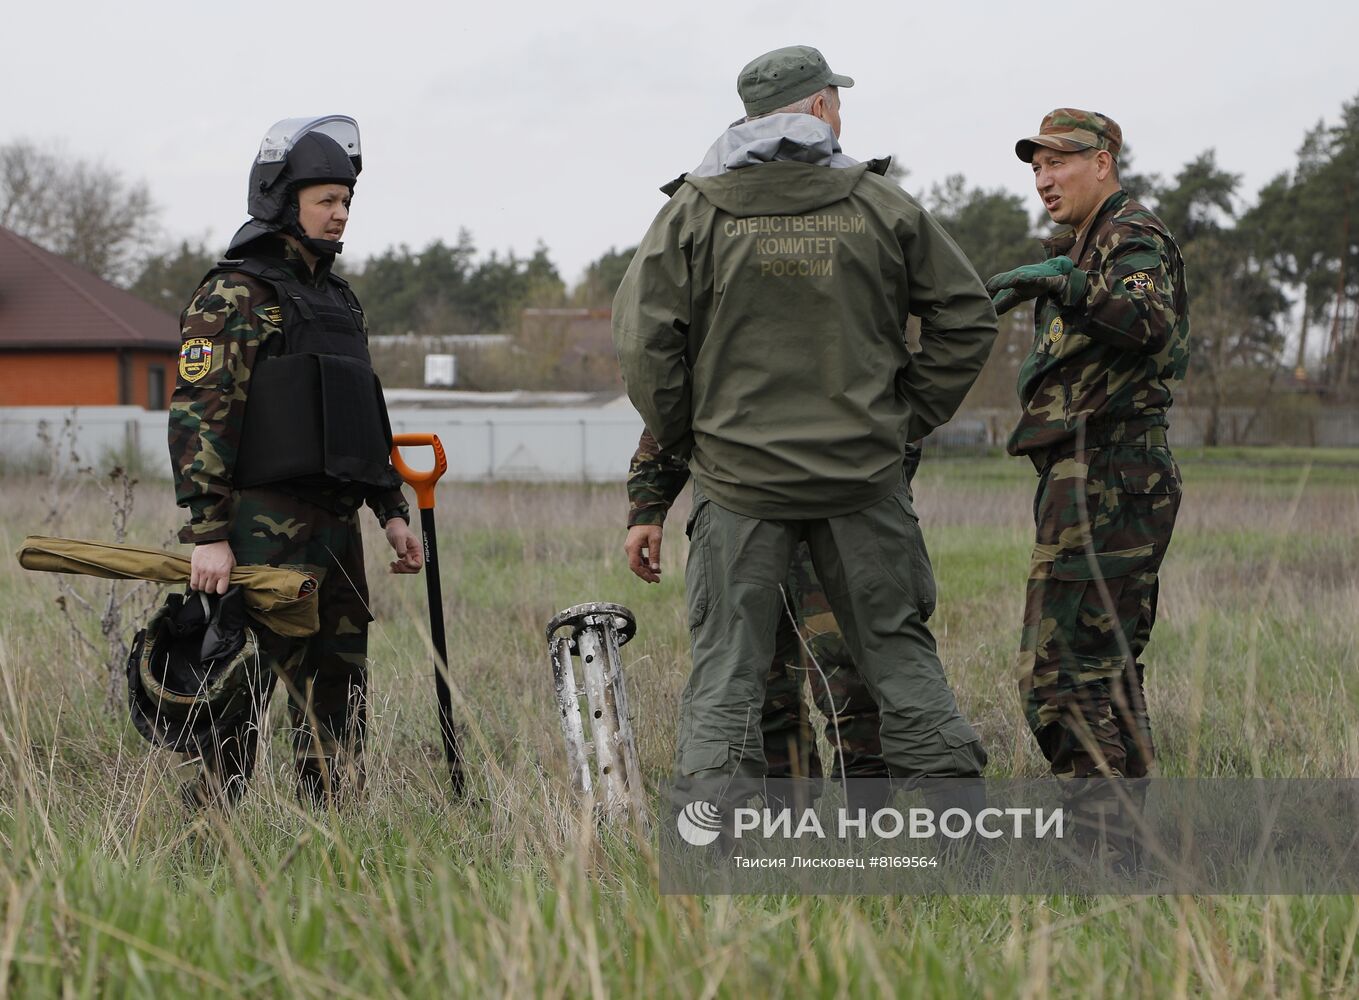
<point>423,484</point>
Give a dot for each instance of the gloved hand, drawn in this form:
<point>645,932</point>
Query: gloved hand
<point>1028,282</point>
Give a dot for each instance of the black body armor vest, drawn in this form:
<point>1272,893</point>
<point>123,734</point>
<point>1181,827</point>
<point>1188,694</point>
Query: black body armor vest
<point>315,410</point>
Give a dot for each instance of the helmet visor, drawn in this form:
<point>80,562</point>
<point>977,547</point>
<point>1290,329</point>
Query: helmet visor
<point>283,135</point>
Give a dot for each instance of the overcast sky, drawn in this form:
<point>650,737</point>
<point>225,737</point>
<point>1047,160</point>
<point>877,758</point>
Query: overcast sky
<point>556,122</point>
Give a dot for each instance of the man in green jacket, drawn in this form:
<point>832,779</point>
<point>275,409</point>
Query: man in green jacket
<point>760,333</point>
<point>1111,340</point>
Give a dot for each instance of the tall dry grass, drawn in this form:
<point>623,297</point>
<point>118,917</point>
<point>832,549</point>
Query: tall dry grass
<point>108,888</point>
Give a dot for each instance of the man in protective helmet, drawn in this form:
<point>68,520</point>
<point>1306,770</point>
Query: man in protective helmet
<point>278,435</point>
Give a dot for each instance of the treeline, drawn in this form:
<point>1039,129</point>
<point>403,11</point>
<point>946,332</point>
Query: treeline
<point>440,290</point>
<point>1274,280</point>
<point>447,290</point>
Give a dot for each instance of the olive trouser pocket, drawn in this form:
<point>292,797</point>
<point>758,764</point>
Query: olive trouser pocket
<point>698,568</point>
<point>915,573</point>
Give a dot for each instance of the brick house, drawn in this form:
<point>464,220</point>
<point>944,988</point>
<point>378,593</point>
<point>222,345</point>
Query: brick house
<point>69,338</point>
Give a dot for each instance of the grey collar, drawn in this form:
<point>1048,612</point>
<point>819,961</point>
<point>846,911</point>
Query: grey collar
<point>803,138</point>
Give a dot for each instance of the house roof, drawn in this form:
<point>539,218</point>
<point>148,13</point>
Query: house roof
<point>48,302</point>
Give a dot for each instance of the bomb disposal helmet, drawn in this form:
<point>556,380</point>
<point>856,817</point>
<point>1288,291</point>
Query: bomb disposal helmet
<point>195,667</point>
<point>295,153</point>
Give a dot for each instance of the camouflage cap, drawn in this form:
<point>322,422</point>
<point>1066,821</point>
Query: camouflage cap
<point>1070,129</point>
<point>777,79</point>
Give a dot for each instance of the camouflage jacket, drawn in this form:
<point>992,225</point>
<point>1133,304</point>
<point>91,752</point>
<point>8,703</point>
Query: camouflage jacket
<point>1108,352</point>
<point>656,478</point>
<point>228,322</point>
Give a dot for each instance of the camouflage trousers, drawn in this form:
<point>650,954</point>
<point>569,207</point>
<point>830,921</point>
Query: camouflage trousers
<point>1103,525</point>
<point>325,675</point>
<point>809,647</point>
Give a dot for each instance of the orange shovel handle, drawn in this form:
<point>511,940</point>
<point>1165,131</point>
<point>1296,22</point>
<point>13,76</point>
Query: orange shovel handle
<point>423,482</point>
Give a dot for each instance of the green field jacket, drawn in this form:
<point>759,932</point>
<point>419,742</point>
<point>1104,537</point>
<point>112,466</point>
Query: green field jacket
<point>760,330</point>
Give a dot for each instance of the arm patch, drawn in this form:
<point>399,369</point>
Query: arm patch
<point>1139,282</point>
<point>197,358</point>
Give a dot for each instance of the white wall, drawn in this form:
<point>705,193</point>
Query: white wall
<point>538,444</point>
<point>551,444</point>
<point>542,444</point>
<point>99,435</point>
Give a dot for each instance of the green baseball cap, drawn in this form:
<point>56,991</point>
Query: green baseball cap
<point>1070,129</point>
<point>777,79</point>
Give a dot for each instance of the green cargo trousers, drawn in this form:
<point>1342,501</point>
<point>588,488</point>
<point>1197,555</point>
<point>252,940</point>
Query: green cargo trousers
<point>879,584</point>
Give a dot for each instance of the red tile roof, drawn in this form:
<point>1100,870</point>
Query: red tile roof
<point>48,302</point>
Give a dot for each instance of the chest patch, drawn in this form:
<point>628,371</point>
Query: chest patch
<point>1055,329</point>
<point>195,358</point>
<point>1139,282</point>
<point>273,314</point>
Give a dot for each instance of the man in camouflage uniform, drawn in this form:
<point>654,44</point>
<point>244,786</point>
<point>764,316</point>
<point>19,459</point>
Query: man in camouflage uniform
<point>262,494</point>
<point>654,481</point>
<point>1111,340</point>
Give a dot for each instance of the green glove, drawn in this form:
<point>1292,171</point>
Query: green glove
<point>1005,300</point>
<point>1029,282</point>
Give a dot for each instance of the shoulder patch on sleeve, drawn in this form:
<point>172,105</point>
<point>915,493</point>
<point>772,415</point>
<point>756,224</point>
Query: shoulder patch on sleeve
<point>1138,282</point>
<point>196,358</point>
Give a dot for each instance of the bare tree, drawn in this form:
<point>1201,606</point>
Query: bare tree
<point>25,185</point>
<point>87,212</point>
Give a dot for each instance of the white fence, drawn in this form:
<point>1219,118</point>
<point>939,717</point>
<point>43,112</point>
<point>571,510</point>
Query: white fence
<point>1329,427</point>
<point>584,444</point>
<point>540,445</point>
<point>537,444</point>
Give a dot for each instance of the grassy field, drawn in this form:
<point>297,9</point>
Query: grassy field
<point>107,887</point>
